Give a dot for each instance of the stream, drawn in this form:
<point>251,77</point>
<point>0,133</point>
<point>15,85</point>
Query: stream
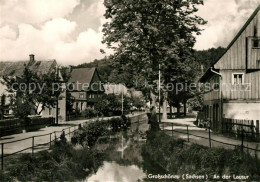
<point>123,160</point>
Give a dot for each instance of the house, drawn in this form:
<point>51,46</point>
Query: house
<point>85,87</point>
<point>233,81</point>
<point>16,69</point>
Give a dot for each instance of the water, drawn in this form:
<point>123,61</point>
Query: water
<point>124,161</point>
<point>114,172</point>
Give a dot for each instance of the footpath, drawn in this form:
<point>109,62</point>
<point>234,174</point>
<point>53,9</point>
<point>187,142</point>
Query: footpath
<point>27,143</point>
<point>179,127</point>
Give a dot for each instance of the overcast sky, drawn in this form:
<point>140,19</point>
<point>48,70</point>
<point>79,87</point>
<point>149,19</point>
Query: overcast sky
<point>70,30</point>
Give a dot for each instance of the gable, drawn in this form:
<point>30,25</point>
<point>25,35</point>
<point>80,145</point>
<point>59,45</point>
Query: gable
<point>82,78</point>
<point>237,51</point>
<point>95,83</point>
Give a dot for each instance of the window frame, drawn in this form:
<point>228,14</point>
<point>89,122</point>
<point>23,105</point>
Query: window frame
<point>238,73</point>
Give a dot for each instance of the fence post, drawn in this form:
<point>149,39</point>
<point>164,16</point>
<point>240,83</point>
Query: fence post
<point>209,137</point>
<point>257,129</point>
<point>2,157</point>
<point>242,140</point>
<point>55,136</point>
<point>32,145</point>
<point>69,131</point>
<point>172,129</point>
<point>188,133</point>
<point>50,140</point>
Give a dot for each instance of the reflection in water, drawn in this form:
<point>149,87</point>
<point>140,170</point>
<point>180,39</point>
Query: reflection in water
<point>113,172</point>
<point>132,165</point>
<point>123,147</point>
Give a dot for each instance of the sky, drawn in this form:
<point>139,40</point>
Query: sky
<point>70,30</point>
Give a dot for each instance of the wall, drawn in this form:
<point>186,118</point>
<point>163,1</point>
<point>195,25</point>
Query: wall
<point>250,90</point>
<point>248,111</point>
<point>62,107</point>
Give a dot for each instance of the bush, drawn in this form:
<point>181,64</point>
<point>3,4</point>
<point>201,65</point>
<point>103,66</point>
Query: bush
<point>63,163</point>
<point>88,135</point>
<point>89,113</point>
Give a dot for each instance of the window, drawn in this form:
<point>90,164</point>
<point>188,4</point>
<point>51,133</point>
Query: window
<point>238,79</point>
<point>50,111</point>
<point>81,95</point>
<point>255,41</point>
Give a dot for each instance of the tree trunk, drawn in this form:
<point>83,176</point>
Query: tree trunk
<point>178,111</point>
<point>164,116</point>
<point>153,99</point>
<point>185,108</point>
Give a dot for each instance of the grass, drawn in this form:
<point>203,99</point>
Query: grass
<point>63,163</point>
<point>179,158</point>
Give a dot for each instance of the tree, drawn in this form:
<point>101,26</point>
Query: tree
<point>196,103</point>
<point>208,57</point>
<point>144,34</point>
<point>32,92</point>
<point>138,102</point>
<point>2,105</point>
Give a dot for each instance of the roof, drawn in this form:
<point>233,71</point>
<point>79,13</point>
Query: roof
<point>236,37</point>
<point>17,68</point>
<point>207,74</point>
<point>116,89</point>
<point>82,76</point>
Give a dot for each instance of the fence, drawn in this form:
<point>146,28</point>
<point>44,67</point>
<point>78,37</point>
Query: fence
<point>209,137</point>
<point>249,128</point>
<point>11,126</point>
<point>52,138</point>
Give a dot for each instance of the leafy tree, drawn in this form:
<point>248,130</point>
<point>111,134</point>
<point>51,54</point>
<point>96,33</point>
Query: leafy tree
<point>144,34</point>
<point>209,56</point>
<point>32,92</point>
<point>2,105</point>
<point>112,103</point>
<point>196,103</point>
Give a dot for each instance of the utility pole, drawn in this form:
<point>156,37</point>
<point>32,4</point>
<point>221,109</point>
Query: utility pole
<point>57,101</point>
<point>159,87</point>
<point>123,100</point>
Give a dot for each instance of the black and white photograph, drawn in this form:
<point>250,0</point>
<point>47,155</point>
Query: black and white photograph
<point>129,90</point>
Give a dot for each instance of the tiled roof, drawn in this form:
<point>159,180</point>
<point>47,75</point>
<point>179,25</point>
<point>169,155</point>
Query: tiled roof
<point>17,68</point>
<point>82,76</point>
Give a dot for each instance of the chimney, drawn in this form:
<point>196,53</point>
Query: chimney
<point>31,57</point>
<point>32,60</point>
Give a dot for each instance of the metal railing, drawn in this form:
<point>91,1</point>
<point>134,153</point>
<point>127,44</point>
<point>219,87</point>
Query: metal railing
<point>32,138</point>
<point>33,146</point>
<point>209,138</point>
